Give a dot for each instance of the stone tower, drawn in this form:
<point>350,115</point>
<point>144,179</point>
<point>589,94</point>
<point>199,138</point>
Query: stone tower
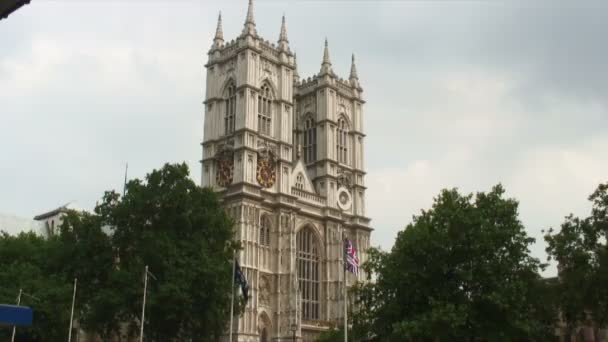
<point>286,155</point>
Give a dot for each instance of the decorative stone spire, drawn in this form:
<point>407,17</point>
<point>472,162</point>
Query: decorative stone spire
<point>296,76</point>
<point>249,28</point>
<point>219,34</point>
<point>353,70</point>
<point>283,35</point>
<point>326,65</point>
<point>283,41</point>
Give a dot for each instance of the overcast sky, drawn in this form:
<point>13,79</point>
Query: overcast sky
<point>460,94</point>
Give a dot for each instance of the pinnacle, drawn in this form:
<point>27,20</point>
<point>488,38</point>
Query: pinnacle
<point>326,53</point>
<point>353,69</point>
<point>219,34</point>
<point>249,27</point>
<point>283,35</point>
<point>326,65</point>
<point>250,19</point>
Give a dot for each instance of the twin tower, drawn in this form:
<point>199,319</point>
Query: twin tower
<point>286,156</point>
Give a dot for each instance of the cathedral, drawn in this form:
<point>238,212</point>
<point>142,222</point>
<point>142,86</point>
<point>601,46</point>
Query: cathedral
<point>286,156</point>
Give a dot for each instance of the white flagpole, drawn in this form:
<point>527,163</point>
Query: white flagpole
<point>345,308</point>
<point>232,296</point>
<point>72,313</point>
<point>18,303</point>
<point>143,307</point>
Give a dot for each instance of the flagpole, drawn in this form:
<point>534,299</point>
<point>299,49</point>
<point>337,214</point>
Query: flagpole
<point>72,313</point>
<point>124,186</point>
<point>18,303</point>
<point>345,308</point>
<point>143,306</point>
<point>232,296</point>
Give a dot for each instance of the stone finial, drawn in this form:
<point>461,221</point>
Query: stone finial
<point>283,42</point>
<point>283,35</point>
<point>249,27</point>
<point>296,76</point>
<point>326,65</point>
<point>353,70</point>
<point>326,53</point>
<point>219,34</point>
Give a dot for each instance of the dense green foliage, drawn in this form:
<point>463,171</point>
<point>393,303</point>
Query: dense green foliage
<point>582,254</point>
<point>460,271</point>
<point>168,223</point>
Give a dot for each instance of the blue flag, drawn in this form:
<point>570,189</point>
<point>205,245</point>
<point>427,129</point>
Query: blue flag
<point>239,278</point>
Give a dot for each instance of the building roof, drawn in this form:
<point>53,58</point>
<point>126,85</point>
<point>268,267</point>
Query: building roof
<point>54,212</point>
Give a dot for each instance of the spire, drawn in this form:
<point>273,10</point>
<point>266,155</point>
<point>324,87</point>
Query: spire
<point>326,53</point>
<point>249,28</point>
<point>283,35</point>
<point>219,34</point>
<point>326,65</point>
<point>296,76</point>
<point>353,70</point>
<point>283,42</point>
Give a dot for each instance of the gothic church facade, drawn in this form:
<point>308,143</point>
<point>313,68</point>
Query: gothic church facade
<point>286,155</point>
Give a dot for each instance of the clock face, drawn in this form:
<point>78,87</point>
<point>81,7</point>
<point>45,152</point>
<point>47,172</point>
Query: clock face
<point>266,174</point>
<point>225,171</point>
<point>344,199</point>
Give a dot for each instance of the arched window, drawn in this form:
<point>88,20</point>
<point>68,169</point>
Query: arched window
<point>264,335</point>
<point>308,273</point>
<point>264,110</point>
<point>310,141</point>
<point>265,231</point>
<point>300,181</point>
<point>230,104</point>
<point>342,141</point>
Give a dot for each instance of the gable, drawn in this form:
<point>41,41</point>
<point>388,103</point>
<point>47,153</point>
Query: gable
<point>300,170</point>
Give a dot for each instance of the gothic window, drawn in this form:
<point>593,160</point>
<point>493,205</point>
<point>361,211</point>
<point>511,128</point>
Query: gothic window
<point>264,335</point>
<point>310,141</point>
<point>342,141</point>
<point>300,181</point>
<point>308,273</point>
<point>265,231</point>
<point>230,107</point>
<point>264,110</point>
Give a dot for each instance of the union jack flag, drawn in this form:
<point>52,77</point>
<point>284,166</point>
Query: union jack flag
<point>351,258</point>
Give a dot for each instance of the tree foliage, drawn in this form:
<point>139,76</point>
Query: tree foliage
<point>166,222</point>
<point>581,252</point>
<point>461,271</point>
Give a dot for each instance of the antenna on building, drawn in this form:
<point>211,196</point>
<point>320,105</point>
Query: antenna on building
<point>124,186</point>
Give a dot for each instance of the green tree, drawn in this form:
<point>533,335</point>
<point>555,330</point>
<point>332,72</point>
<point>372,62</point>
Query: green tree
<point>166,222</point>
<point>461,271</point>
<point>27,262</point>
<point>582,255</point>
<point>185,237</point>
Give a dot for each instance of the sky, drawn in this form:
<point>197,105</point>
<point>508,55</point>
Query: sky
<point>462,94</point>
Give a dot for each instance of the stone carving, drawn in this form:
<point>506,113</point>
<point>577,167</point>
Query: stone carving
<point>264,296</point>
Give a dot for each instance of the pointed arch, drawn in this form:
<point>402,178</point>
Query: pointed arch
<point>265,228</point>
<point>266,98</point>
<point>229,94</point>
<point>264,326</point>
<point>273,89</point>
<point>230,81</point>
<point>342,139</point>
<point>309,138</point>
<point>309,256</point>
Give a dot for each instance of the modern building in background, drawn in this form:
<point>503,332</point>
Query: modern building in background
<point>287,156</point>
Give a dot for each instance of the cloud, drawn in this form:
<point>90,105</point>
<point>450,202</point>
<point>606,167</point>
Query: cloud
<point>459,94</point>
